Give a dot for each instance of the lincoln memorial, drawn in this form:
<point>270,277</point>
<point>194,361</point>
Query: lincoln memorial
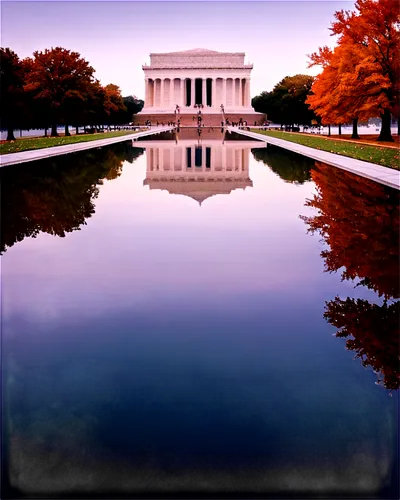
<point>185,81</point>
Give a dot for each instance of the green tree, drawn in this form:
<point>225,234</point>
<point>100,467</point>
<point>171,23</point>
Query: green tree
<point>12,90</point>
<point>286,103</point>
<point>133,106</point>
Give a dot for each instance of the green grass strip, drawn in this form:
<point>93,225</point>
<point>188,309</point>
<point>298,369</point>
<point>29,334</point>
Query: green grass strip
<point>48,142</point>
<point>388,157</point>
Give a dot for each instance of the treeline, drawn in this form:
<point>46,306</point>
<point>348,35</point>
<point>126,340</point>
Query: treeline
<point>58,87</point>
<point>359,78</point>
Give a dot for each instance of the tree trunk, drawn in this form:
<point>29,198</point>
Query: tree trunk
<point>386,134</point>
<point>45,131</point>
<point>340,129</point>
<point>10,133</point>
<point>355,135</point>
<point>329,130</point>
<point>54,132</point>
<point>67,134</point>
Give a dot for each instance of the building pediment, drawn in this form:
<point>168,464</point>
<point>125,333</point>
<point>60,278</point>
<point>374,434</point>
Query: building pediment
<point>188,52</point>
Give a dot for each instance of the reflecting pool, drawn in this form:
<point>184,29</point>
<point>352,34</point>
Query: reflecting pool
<point>198,316</point>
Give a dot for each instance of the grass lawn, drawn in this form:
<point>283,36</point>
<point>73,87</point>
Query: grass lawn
<point>47,142</point>
<point>388,157</point>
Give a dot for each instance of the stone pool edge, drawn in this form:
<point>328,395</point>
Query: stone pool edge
<point>372,171</point>
<point>39,154</point>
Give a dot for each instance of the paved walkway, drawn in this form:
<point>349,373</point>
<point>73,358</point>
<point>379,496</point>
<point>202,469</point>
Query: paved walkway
<point>383,175</point>
<point>38,154</point>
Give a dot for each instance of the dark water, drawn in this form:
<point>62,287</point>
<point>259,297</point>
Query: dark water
<point>229,330</point>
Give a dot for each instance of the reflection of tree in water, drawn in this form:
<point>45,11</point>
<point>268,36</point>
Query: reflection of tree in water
<point>373,333</point>
<point>290,167</point>
<point>359,220</point>
<point>56,195</point>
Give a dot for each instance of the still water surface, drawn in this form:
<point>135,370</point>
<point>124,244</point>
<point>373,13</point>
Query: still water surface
<point>172,316</point>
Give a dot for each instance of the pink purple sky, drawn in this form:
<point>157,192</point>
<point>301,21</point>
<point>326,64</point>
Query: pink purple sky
<point>117,37</point>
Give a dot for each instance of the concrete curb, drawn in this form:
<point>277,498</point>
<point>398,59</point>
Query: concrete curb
<point>38,154</point>
<point>372,171</point>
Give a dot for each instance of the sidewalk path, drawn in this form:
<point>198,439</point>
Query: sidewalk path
<point>383,175</point>
<point>38,154</point>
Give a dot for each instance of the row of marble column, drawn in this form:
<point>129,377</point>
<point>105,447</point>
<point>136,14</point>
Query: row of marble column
<point>166,93</point>
<point>214,160</point>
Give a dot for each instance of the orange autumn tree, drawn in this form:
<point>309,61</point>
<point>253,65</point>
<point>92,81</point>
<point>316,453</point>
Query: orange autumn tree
<point>373,32</point>
<point>340,93</point>
<point>58,76</point>
<point>113,103</point>
<point>360,77</point>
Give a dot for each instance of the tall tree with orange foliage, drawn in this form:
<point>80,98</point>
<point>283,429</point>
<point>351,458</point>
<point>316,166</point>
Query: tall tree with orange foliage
<point>58,75</point>
<point>340,93</point>
<point>360,77</point>
<point>113,104</point>
<point>374,31</point>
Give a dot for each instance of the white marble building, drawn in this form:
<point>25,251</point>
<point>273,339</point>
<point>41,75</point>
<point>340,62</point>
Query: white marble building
<point>197,77</point>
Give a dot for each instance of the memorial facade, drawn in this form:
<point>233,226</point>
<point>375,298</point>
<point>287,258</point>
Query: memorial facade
<point>197,78</point>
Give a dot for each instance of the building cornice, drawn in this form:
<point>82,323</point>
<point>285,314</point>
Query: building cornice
<point>245,66</point>
<point>189,53</point>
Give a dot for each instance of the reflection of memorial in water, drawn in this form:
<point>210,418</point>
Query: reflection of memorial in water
<point>199,166</point>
